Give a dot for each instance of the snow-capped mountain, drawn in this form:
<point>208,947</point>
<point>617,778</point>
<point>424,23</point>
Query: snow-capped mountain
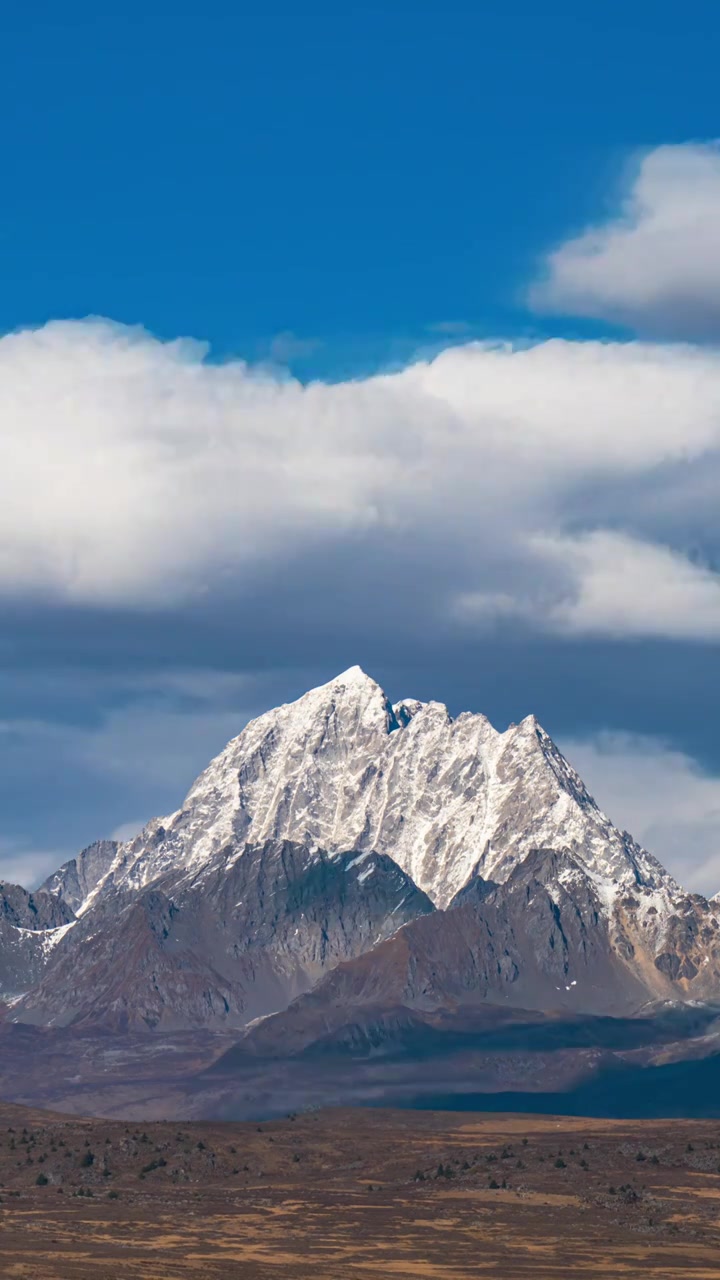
<point>445,797</point>
<point>327,828</point>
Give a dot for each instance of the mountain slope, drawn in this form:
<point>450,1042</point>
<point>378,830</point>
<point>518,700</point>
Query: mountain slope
<point>518,944</point>
<point>246,897</point>
<point>444,797</point>
<point>31,925</point>
<point>75,880</point>
<point>223,945</point>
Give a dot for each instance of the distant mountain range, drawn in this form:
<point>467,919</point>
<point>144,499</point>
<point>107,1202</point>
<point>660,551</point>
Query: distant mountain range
<point>347,868</point>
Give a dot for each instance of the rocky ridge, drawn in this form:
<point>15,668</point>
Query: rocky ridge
<point>343,830</point>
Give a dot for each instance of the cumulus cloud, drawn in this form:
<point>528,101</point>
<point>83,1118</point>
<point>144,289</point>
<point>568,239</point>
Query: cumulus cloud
<point>655,264</point>
<point>659,794</point>
<point>139,474</point>
<point>626,587</point>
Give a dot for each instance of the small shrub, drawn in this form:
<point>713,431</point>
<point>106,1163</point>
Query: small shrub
<point>560,1163</point>
<point>41,1180</point>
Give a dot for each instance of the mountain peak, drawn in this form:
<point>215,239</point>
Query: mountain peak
<point>445,797</point>
<point>354,676</point>
<point>435,807</point>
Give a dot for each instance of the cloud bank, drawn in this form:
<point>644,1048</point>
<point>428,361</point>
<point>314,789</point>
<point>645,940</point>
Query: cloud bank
<point>655,264</point>
<point>138,474</point>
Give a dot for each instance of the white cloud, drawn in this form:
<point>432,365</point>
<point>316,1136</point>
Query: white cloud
<point>137,473</point>
<point>659,794</point>
<point>656,264</point>
<point>128,830</point>
<point>23,864</point>
<point>630,588</point>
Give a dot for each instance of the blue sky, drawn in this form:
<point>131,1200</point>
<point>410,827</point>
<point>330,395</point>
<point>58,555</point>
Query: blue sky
<point>359,202</point>
<point>353,173</point>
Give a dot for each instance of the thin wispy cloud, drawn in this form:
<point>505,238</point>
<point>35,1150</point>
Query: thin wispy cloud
<point>288,346</point>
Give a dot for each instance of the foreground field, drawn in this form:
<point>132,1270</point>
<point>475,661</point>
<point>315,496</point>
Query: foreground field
<point>372,1194</point>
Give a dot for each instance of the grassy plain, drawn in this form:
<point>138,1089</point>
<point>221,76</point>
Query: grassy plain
<point>333,1195</point>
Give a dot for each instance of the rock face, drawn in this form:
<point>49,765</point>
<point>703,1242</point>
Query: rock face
<point>31,924</point>
<point>233,941</point>
<point>445,798</point>
<point>520,944</point>
<point>75,880</point>
<point>432,859</point>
